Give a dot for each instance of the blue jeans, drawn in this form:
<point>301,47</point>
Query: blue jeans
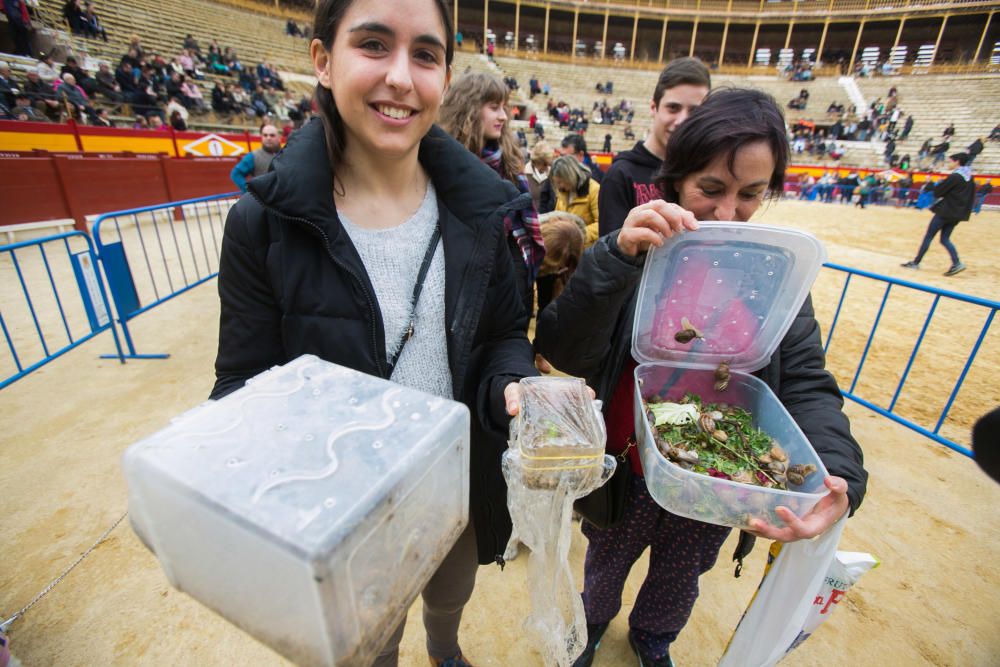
<point>946,227</point>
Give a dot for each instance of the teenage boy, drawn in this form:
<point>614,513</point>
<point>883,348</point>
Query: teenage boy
<point>681,87</point>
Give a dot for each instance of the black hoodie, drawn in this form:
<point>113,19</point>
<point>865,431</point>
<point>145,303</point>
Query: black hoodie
<point>628,183</point>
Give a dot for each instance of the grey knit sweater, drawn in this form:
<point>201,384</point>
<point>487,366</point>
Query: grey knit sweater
<point>392,258</point>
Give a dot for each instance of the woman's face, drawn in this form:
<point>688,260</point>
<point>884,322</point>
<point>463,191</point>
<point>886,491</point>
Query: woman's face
<point>559,184</point>
<point>493,117</point>
<point>716,193</point>
<point>387,73</point>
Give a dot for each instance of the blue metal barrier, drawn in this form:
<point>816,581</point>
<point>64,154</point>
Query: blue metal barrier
<point>37,313</point>
<point>985,306</point>
<point>152,254</point>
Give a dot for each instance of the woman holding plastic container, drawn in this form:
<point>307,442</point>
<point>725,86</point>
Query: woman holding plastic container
<point>376,241</point>
<point>721,163</point>
<point>474,111</point>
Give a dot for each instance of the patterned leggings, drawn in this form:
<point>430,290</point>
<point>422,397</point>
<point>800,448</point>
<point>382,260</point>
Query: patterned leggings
<point>680,551</point>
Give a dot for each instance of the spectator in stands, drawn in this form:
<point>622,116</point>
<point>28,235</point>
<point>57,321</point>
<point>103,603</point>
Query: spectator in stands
<point>905,162</point>
<point>533,87</point>
<point>156,123</point>
<point>949,131</point>
<point>939,152</point>
<point>94,27</point>
<point>24,111</point>
<point>175,107</point>
<point>215,60</point>
<point>135,44</point>
<point>42,95</point>
<point>73,98</point>
<point>220,104</point>
<point>141,123</point>
<point>907,128</point>
<point>19,25</point>
<point>474,111</point>
<point>576,145</point>
<point>191,44</point>
<point>76,17</point>
<point>577,192</point>
<point>101,118</point>
<point>186,61</point>
<point>630,181</point>
<point>106,83</point>
<point>8,87</point>
<point>257,162</point>
<point>721,164</point>
<point>954,198</point>
<point>131,61</point>
<point>995,133</point>
<point>607,143</point>
<point>974,149</point>
<point>177,121</point>
<point>46,69</point>
<point>292,29</point>
<point>83,78</point>
<point>192,92</point>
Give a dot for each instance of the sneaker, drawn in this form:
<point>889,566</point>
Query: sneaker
<point>457,661</point>
<point>594,634</point>
<point>955,268</point>
<point>644,659</point>
<point>910,265</point>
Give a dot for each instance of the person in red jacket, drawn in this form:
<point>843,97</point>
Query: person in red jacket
<point>19,24</point>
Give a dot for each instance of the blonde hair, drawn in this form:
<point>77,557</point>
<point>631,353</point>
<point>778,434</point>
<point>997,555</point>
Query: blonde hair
<point>461,117</point>
<point>543,152</point>
<point>567,168</point>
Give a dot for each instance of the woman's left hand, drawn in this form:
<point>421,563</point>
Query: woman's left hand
<point>819,519</point>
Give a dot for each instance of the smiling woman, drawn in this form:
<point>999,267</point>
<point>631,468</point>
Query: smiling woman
<point>376,242</point>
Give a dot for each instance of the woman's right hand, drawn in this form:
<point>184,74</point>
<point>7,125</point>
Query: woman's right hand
<point>650,223</point>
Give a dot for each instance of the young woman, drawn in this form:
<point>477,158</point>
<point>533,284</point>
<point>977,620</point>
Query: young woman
<point>720,165</point>
<point>576,192</point>
<point>322,255</point>
<point>474,111</point>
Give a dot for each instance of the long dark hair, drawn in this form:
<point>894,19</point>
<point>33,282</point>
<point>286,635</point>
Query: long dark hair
<point>727,120</point>
<point>329,14</point>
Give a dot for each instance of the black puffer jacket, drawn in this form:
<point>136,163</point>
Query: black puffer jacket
<point>955,197</point>
<point>587,331</point>
<point>291,283</point>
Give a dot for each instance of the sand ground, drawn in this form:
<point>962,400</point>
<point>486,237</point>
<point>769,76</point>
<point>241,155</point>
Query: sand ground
<point>930,514</point>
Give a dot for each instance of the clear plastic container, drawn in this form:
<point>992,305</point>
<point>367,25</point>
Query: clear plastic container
<point>739,287</point>
<point>309,507</point>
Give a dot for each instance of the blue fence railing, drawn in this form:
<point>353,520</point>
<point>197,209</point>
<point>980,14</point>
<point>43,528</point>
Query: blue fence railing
<point>45,313</point>
<point>154,253</point>
<point>976,326</point>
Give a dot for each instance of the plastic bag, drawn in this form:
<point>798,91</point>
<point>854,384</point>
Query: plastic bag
<point>783,601</point>
<point>556,455</point>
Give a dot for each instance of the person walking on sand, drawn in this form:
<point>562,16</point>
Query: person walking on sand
<point>953,200</point>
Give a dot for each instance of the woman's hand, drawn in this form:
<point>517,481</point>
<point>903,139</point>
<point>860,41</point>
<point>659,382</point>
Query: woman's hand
<point>819,519</point>
<point>648,224</point>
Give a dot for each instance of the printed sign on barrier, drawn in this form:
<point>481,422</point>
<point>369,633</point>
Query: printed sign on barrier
<point>90,291</point>
<point>213,145</point>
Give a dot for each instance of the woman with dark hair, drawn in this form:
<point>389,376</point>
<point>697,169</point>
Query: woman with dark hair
<point>376,241</point>
<point>474,111</point>
<point>721,164</point>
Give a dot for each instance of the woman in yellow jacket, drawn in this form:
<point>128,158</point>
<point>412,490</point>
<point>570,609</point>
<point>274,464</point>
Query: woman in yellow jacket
<point>576,192</point>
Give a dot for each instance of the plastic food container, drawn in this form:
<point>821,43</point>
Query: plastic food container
<point>740,286</point>
<point>309,507</point>
<point>557,431</point>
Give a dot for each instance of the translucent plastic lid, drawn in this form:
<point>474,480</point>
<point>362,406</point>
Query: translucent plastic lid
<point>727,292</point>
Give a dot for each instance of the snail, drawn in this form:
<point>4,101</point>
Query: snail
<point>687,333</point>
<point>722,377</point>
<point>777,453</point>
<point>706,422</point>
<point>720,435</point>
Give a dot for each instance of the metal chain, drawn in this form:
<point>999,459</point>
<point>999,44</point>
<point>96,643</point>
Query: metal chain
<point>6,624</point>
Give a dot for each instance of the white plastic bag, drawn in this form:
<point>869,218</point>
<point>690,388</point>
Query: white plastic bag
<point>556,455</point>
<point>783,602</point>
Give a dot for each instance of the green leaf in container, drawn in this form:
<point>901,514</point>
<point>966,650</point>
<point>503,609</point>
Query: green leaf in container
<point>673,413</point>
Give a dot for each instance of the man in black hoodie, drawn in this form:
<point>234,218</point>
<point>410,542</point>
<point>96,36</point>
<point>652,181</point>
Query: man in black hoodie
<point>953,201</point>
<point>682,86</point>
